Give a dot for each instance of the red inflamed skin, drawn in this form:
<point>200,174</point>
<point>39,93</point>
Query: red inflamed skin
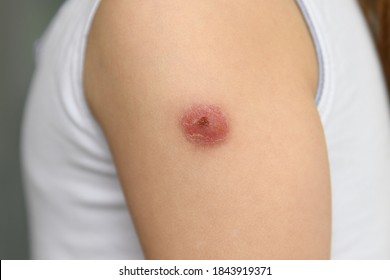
<point>204,125</point>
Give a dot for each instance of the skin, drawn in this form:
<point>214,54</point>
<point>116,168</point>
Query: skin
<point>264,193</point>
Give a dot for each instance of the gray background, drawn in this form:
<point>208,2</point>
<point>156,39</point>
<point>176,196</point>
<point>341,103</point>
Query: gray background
<point>21,22</point>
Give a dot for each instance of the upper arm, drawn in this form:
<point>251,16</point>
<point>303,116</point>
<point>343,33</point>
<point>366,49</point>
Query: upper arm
<point>262,193</point>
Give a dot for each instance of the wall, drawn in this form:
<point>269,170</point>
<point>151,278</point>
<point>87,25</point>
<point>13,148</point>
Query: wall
<point>21,22</point>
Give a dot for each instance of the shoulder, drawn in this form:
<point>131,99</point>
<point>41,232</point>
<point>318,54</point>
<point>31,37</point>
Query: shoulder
<point>269,37</point>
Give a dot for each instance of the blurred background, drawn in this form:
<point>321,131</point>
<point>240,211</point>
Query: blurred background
<point>21,23</point>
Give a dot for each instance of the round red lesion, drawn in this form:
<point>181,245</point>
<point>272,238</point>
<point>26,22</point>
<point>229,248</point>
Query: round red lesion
<point>204,125</point>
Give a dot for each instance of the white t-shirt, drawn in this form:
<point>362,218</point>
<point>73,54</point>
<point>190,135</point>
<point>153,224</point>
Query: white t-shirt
<point>75,203</point>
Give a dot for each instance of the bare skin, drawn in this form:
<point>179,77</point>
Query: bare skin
<point>264,192</point>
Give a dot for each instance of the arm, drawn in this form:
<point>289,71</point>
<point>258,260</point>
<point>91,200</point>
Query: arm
<point>263,192</point>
